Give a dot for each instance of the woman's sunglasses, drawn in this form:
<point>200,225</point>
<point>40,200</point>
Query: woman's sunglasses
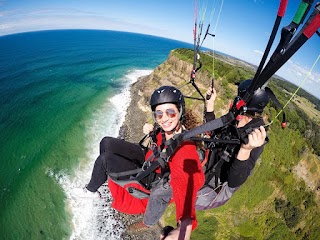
<point>171,113</point>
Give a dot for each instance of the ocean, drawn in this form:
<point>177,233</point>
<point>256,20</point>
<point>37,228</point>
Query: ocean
<point>61,91</point>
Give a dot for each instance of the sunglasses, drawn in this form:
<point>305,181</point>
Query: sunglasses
<point>171,113</point>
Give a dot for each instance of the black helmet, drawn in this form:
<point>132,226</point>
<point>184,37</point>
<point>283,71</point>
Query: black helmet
<point>167,94</point>
<point>259,100</point>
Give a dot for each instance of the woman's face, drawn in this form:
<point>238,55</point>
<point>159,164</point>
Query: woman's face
<point>167,116</point>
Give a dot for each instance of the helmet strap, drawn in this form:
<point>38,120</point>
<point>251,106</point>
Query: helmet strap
<point>180,112</point>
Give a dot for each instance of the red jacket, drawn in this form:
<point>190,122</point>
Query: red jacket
<point>186,178</point>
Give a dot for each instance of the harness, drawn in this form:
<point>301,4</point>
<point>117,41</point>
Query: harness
<point>222,148</point>
<point>141,180</point>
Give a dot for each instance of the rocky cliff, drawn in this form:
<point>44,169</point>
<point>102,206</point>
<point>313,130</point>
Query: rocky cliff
<point>175,72</point>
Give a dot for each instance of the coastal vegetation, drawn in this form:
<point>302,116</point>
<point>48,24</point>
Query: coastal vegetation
<point>281,198</point>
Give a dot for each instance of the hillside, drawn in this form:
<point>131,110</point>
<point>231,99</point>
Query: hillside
<point>282,196</point>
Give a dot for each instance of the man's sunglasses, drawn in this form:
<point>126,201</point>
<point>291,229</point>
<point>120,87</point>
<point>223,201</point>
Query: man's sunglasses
<point>171,113</point>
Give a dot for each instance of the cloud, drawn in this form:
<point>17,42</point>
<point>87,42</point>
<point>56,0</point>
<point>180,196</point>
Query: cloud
<point>304,71</point>
<point>294,72</point>
<point>258,52</point>
<point>61,18</point>
<point>301,75</point>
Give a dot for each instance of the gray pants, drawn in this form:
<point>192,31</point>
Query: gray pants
<point>159,200</point>
<point>161,195</point>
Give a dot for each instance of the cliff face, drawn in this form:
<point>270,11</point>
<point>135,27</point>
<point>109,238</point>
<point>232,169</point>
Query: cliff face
<point>173,71</point>
<point>176,72</point>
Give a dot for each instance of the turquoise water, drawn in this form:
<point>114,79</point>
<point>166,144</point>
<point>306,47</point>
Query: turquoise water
<point>61,91</point>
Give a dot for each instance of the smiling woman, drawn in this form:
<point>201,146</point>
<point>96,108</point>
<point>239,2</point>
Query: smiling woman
<point>138,178</point>
<point>168,100</point>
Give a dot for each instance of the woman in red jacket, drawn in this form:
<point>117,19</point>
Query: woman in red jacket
<point>177,181</point>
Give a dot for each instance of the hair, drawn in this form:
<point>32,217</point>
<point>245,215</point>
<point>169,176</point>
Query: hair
<point>253,114</point>
<point>190,120</point>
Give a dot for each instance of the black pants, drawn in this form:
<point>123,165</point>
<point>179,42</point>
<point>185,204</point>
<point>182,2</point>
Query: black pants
<point>116,156</point>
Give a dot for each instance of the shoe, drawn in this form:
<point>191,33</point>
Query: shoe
<point>85,193</point>
<point>138,228</point>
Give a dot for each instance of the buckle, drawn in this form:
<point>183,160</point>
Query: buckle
<point>145,165</point>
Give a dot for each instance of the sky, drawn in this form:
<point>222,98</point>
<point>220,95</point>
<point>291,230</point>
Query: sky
<point>241,28</point>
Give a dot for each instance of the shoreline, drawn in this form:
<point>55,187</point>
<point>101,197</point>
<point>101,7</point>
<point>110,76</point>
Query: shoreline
<point>98,218</point>
<point>131,130</point>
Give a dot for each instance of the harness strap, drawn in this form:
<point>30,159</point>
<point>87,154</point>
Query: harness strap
<point>138,170</point>
<point>154,165</point>
<point>210,126</point>
<point>213,172</point>
<point>157,159</point>
<point>126,173</point>
<point>309,28</point>
<point>175,141</point>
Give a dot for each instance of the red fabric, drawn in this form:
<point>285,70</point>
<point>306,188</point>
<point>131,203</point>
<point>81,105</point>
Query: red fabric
<point>282,8</point>
<point>124,201</point>
<point>186,178</point>
<point>313,26</point>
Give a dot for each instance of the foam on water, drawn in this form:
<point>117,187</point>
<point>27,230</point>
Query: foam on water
<point>95,219</point>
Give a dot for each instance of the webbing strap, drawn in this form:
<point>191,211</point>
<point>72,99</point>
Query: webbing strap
<point>141,173</point>
<point>288,31</point>
<point>281,57</point>
<point>153,162</point>
<point>125,173</point>
<point>154,165</point>
<point>174,143</point>
<point>214,171</point>
<point>309,29</point>
<point>213,140</point>
<point>209,126</point>
<point>305,33</point>
<point>280,14</point>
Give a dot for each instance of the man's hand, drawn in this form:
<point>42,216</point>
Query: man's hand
<point>255,139</point>
<point>210,102</point>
